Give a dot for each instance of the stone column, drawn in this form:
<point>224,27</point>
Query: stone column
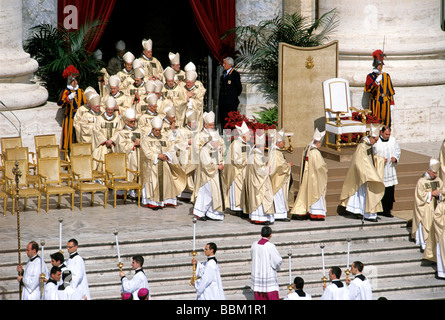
<point>414,45</point>
<point>16,66</point>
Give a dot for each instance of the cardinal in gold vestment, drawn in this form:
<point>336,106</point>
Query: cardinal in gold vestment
<point>162,177</point>
<point>429,192</point>
<point>310,201</point>
<point>363,187</point>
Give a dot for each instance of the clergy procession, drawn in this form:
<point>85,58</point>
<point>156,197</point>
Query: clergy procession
<point>156,116</point>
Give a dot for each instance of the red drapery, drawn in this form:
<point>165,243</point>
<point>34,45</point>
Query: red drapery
<point>213,18</point>
<point>87,10</point>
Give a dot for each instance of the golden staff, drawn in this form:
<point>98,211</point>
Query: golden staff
<point>42,275</point>
<point>16,171</point>
<point>194,253</point>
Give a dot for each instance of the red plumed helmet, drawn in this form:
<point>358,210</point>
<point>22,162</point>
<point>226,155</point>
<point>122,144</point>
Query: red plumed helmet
<point>378,54</point>
<point>70,71</point>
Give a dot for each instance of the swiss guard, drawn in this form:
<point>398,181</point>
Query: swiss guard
<point>71,98</point>
<point>379,85</point>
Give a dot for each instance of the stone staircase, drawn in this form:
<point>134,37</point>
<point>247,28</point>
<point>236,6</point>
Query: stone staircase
<point>392,262</point>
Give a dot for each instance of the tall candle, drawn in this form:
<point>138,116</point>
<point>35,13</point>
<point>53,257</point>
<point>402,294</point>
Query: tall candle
<point>42,243</point>
<point>60,234</point>
<point>194,233</point>
<point>117,246</point>
<point>290,266</point>
<point>349,246</point>
<point>322,258</point>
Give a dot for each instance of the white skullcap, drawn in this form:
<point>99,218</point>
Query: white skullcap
<point>130,113</point>
<point>128,57</point>
<point>190,67</point>
<point>151,99</point>
<point>147,44</point>
<point>150,86</point>
<point>157,122</point>
<point>110,103</point>
<point>209,117</point>
<point>243,130</point>
<point>374,130</point>
<point>191,75</point>
<point>169,73</point>
<point>114,81</point>
<point>120,45</point>
<point>434,164</point>
<point>139,73</point>
<point>174,58</point>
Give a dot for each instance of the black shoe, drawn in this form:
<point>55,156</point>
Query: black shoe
<point>386,214</point>
<point>284,220</point>
<point>201,218</point>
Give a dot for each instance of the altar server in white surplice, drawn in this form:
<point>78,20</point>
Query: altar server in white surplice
<point>29,276</point>
<point>208,286</point>
<point>266,261</point>
<point>388,148</point>
<point>139,279</point>
<point>360,287</point>
<point>337,290</point>
<point>52,285</point>
<point>207,195</point>
<point>76,265</point>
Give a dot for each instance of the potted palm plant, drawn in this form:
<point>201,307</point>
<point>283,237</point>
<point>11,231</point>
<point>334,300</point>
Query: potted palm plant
<point>55,48</point>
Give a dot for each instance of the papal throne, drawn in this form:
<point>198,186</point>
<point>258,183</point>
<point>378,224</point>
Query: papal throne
<point>338,112</point>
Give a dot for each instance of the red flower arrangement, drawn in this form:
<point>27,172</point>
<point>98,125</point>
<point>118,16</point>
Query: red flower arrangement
<point>236,119</point>
<point>370,118</point>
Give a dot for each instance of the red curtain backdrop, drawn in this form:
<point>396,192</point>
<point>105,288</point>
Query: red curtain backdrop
<point>213,18</point>
<point>88,10</point>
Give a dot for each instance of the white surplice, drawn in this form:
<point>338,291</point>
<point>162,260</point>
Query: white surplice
<point>266,261</point>
<point>334,292</point>
<point>138,281</point>
<point>209,285</point>
<point>360,288</point>
<point>31,278</point>
<point>79,281</point>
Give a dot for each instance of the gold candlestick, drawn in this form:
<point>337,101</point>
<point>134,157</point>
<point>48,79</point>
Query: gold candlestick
<point>347,276</point>
<point>324,280</point>
<point>17,173</point>
<point>193,279</point>
<point>120,265</point>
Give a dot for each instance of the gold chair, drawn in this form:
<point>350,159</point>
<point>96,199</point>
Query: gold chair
<point>44,140</point>
<point>116,175</point>
<point>25,191</point>
<point>22,153</point>
<point>53,151</point>
<point>337,105</point>
<point>4,196</point>
<point>83,148</point>
<point>83,178</point>
<point>9,142</point>
<point>51,180</point>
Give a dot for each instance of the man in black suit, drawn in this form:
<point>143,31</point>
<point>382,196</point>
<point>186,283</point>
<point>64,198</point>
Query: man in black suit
<point>230,89</point>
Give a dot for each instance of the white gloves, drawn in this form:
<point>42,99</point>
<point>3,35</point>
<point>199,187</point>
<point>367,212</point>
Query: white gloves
<point>378,79</point>
<point>71,96</point>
